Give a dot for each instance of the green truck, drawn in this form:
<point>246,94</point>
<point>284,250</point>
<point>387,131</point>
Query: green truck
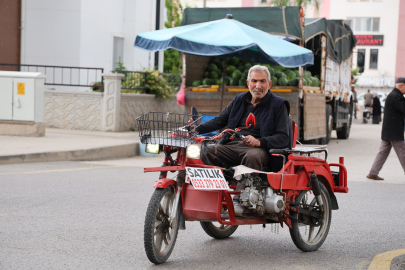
<point>320,95</point>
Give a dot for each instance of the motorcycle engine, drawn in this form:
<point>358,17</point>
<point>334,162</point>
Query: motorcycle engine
<point>259,197</point>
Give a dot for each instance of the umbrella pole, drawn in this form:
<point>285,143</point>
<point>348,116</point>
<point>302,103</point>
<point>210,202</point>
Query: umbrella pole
<point>223,84</point>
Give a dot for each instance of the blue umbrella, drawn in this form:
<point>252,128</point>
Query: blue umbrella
<point>227,37</point>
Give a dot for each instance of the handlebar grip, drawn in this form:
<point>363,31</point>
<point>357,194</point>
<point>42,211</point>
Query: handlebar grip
<point>244,139</point>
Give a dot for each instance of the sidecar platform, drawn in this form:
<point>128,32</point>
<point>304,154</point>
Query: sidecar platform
<point>308,149</point>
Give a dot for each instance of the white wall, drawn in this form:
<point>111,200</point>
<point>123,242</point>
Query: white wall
<point>80,33</point>
<point>52,32</point>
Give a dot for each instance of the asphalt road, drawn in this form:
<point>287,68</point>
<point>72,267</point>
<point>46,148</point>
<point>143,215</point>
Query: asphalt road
<point>89,215</point>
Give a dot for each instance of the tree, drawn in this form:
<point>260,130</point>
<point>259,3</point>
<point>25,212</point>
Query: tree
<point>304,3</point>
<point>174,16</point>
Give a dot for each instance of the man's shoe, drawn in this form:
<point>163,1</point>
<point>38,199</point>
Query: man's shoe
<point>374,177</point>
<point>239,209</point>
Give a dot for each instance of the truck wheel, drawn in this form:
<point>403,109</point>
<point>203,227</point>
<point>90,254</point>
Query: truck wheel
<point>343,133</point>
<point>329,123</point>
<point>308,233</point>
<point>218,232</point>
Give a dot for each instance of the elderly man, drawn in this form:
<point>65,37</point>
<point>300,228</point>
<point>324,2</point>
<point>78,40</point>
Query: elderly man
<point>392,134</point>
<point>270,132</point>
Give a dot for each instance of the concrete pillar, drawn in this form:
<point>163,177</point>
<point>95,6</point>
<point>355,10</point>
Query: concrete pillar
<point>111,102</point>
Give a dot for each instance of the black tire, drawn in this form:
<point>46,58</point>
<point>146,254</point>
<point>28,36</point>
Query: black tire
<point>298,228</point>
<point>329,122</point>
<point>218,232</point>
<point>343,133</point>
<point>159,239</point>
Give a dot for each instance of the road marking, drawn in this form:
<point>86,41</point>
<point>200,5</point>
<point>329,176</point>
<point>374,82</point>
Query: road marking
<point>383,261</point>
<point>65,170</point>
<point>361,265</point>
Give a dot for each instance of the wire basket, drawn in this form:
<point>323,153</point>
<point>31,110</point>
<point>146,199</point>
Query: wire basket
<point>165,128</point>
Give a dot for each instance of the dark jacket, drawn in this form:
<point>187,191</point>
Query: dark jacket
<point>267,109</point>
<point>394,112</point>
<point>270,125</point>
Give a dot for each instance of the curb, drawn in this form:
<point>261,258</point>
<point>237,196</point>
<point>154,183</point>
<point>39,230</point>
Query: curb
<point>125,150</point>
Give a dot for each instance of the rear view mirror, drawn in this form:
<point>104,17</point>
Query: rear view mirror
<point>194,113</point>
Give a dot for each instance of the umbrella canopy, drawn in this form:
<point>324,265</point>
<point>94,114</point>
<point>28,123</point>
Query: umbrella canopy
<point>227,37</point>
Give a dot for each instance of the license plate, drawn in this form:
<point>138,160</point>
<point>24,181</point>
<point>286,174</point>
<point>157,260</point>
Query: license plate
<point>204,178</point>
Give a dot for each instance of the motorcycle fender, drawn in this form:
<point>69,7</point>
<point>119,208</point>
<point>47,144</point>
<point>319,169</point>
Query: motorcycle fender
<point>333,201</point>
<point>320,172</point>
<point>164,183</point>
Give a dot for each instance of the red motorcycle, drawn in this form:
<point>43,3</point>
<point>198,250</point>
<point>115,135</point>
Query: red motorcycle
<point>301,195</point>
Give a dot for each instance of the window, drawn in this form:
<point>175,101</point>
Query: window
<point>373,58</point>
<point>376,24</point>
<point>361,56</point>
<point>364,24</point>
<point>118,51</point>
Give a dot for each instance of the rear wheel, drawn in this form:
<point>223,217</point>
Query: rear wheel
<point>159,233</point>
<point>217,230</point>
<point>308,233</point>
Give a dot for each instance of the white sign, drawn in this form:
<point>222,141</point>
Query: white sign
<point>376,81</point>
<point>203,178</point>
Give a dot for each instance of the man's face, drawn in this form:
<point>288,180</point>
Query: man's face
<point>401,87</point>
<point>258,84</point>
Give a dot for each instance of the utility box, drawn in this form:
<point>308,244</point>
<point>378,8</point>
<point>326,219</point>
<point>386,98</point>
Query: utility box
<point>22,103</point>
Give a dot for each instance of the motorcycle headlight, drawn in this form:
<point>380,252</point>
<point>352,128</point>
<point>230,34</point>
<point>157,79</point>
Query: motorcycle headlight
<point>152,148</point>
<point>193,151</point>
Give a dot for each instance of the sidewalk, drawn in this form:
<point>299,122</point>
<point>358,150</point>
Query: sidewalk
<point>61,144</point>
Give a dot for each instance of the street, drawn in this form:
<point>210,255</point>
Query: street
<point>90,215</point>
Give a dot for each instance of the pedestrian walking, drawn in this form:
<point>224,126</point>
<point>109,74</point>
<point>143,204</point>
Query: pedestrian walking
<point>376,109</point>
<point>368,99</point>
<point>392,134</point>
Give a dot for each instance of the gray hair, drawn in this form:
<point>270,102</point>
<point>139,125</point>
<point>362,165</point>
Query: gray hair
<point>259,68</point>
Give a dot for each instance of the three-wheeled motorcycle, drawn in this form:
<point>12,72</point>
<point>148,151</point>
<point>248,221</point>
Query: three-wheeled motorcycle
<point>301,195</point>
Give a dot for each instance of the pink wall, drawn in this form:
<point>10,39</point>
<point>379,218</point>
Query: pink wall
<point>400,66</point>
<point>325,9</point>
<point>248,3</point>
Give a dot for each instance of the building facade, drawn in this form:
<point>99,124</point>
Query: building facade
<point>379,26</point>
<point>79,33</point>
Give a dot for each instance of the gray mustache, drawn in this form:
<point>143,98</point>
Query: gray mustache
<point>258,90</point>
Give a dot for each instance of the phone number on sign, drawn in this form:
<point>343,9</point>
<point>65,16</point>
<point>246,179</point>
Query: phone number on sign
<point>209,184</point>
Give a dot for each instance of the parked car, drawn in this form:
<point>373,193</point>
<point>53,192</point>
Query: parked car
<point>381,95</point>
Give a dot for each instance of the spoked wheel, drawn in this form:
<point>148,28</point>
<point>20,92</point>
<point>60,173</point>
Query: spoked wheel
<point>159,233</point>
<point>217,230</point>
<point>308,233</point>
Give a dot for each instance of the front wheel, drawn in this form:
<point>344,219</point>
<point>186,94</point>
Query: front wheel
<point>218,232</point>
<point>308,233</point>
<point>159,233</point>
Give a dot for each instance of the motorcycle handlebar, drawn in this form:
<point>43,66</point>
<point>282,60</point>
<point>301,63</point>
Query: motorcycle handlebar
<point>222,134</point>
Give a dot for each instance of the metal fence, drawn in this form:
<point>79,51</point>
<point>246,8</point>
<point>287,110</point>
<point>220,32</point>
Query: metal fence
<point>136,81</point>
<point>63,75</point>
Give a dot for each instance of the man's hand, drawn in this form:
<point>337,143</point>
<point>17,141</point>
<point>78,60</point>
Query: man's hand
<point>253,142</point>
